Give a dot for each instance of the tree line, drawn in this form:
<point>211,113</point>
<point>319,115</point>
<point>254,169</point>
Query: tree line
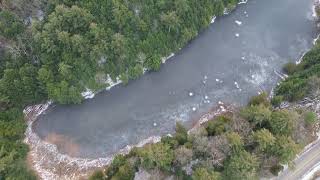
<point>303,78</point>
<point>80,44</point>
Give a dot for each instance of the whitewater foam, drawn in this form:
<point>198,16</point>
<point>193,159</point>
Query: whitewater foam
<point>239,23</point>
<point>213,19</point>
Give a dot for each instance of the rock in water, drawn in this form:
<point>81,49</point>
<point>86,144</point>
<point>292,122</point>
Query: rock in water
<point>239,23</point>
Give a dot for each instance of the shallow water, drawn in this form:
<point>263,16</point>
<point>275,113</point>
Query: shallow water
<point>216,66</point>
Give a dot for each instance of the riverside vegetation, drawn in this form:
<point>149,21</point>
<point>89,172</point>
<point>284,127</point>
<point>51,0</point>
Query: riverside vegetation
<point>249,143</point>
<point>76,45</point>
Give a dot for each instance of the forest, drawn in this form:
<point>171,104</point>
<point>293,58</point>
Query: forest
<point>82,44</point>
<point>56,49</point>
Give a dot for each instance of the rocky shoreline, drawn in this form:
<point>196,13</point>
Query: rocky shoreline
<point>49,163</point>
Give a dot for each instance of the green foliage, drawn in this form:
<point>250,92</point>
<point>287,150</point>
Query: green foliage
<point>297,85</point>
<point>259,116</point>
<point>230,151</point>
<point>183,156</point>
<point>127,35</point>
<point>15,169</point>
<point>205,174</point>
<point>181,134</point>
<point>19,85</point>
<point>314,86</point>
<point>64,93</point>
<point>124,78</point>
<point>117,162</point>
<point>261,99</point>
<point>241,166</point>
<point>157,156</point>
<point>264,140</point>
<point>283,122</point>
<point>79,43</point>
<point>286,149</point>
<point>200,147</point>
<point>125,172</point>
<point>65,53</point>
<point>218,125</point>
<point>276,101</point>
<point>79,39</point>
<point>292,89</point>
<point>12,150</point>
<point>153,63</point>
<point>170,141</point>
<point>276,169</point>
<point>10,25</point>
<point>310,118</point>
<point>97,175</point>
<point>235,141</point>
<point>290,68</point>
<point>135,72</point>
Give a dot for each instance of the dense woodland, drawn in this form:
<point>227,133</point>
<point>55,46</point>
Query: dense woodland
<point>55,49</point>
<point>82,44</point>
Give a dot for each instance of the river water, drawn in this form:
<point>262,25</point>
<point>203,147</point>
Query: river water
<point>228,62</point>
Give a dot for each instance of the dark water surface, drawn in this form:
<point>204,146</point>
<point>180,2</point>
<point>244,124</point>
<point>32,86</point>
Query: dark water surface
<point>272,33</point>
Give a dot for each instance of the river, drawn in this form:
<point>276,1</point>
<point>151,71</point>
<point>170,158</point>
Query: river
<point>235,58</point>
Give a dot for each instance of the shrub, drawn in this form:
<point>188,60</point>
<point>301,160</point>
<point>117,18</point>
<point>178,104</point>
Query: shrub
<point>285,149</point>
<point>181,134</point>
<point>290,68</point>
<point>183,156</point>
<point>201,147</point>
<point>314,86</point>
<point>235,141</point>
<point>310,118</point>
<point>264,139</point>
<point>218,125</point>
<point>283,122</point>
<point>97,175</point>
<point>158,155</point>
<point>276,169</point>
<point>258,116</point>
<point>276,101</point>
<point>117,162</point>
<point>170,141</point>
<point>124,78</point>
<point>205,174</point>
<point>125,172</point>
<point>260,99</point>
<point>292,89</point>
<point>241,165</point>
<point>135,72</point>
